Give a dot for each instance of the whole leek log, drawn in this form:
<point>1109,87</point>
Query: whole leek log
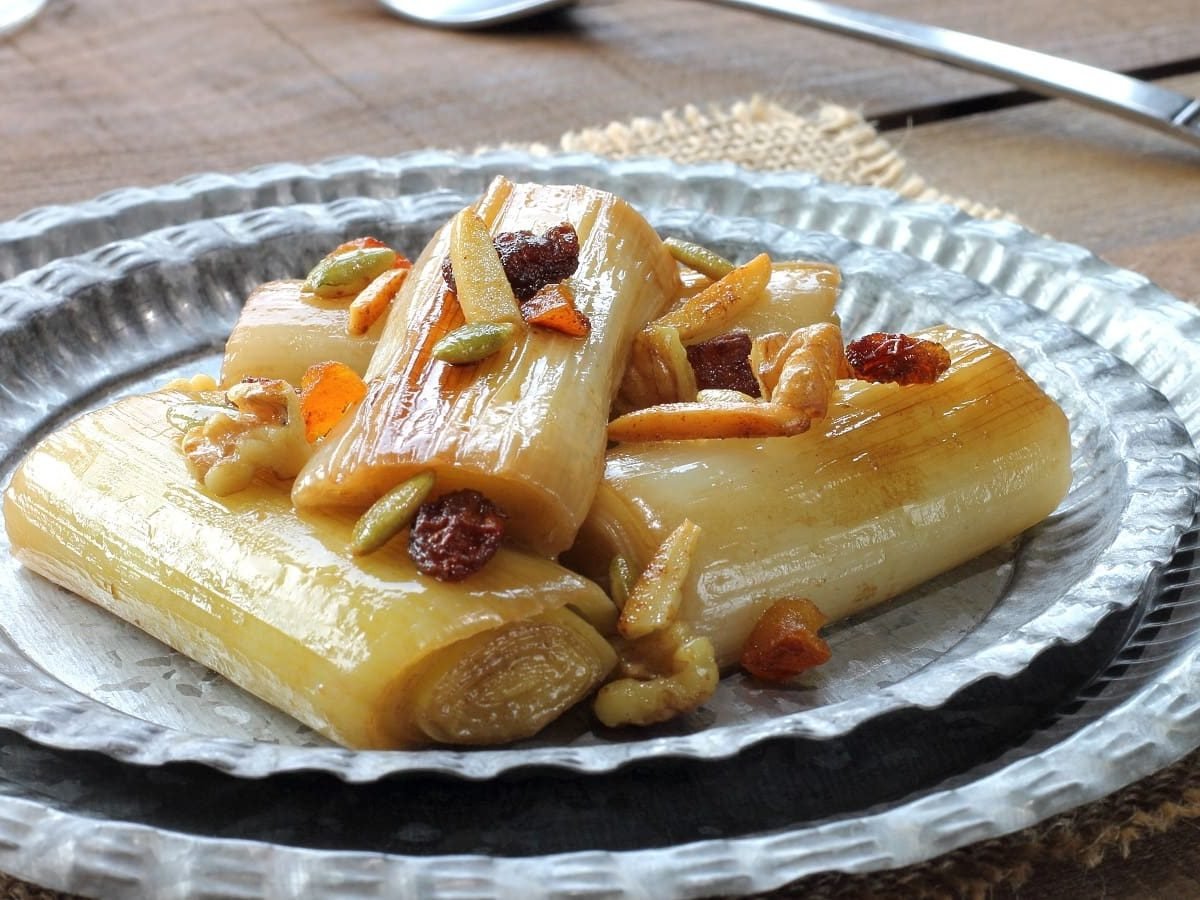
<point>896,485</point>
<point>526,426</point>
<point>365,650</point>
<point>281,331</point>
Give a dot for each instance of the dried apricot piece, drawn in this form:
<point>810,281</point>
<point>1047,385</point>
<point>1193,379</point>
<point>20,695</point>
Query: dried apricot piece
<point>784,641</point>
<point>553,307</point>
<point>327,390</point>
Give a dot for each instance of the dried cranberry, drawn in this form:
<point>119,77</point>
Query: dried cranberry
<point>455,535</point>
<point>897,358</point>
<point>724,363</point>
<point>532,262</point>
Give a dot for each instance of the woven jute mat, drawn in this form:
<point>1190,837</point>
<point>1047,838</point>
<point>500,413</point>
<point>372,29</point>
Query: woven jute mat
<point>839,145</point>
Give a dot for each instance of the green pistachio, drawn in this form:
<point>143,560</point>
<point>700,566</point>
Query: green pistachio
<point>390,514</point>
<point>703,260</point>
<point>344,275</point>
<point>474,342</point>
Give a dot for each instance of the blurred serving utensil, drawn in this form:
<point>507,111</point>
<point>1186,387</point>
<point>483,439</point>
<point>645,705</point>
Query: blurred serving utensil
<point>1138,101</point>
<point>16,13</point>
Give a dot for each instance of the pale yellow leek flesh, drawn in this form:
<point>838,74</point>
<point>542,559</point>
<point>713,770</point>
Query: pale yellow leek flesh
<point>526,427</point>
<point>274,601</point>
<point>282,331</point>
<point>896,485</point>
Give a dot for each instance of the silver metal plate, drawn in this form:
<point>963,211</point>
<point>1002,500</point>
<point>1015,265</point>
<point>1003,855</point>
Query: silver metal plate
<point>1150,724</point>
<point>113,320</point>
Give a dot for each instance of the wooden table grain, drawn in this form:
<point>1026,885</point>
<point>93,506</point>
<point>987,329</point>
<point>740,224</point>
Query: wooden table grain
<point>95,96</point>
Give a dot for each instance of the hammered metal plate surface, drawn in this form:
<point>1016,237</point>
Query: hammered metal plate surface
<point>121,318</point>
<point>1141,717</point>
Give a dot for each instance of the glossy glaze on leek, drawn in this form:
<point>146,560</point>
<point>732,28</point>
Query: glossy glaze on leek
<point>897,485</point>
<point>526,426</point>
<point>274,601</point>
<point>282,331</point>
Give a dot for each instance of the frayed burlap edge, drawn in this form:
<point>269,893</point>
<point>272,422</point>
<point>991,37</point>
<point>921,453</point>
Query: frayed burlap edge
<point>831,141</point>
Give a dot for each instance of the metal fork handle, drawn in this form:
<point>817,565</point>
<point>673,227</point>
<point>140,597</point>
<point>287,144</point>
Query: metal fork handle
<point>1148,104</point>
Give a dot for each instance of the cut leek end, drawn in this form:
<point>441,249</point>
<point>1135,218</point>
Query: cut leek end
<point>508,684</point>
<point>274,601</point>
<point>282,330</point>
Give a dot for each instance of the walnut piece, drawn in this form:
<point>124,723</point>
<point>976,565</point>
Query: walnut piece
<point>262,432</point>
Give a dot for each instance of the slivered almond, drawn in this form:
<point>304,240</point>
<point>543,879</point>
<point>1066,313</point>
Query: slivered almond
<point>721,419</point>
<point>715,308</point>
<point>654,599</point>
<point>373,301</point>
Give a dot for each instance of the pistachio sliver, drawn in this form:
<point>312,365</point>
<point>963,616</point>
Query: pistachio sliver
<point>473,342</point>
<point>390,514</point>
<point>699,258</point>
<point>341,276</point>
<point>186,416</point>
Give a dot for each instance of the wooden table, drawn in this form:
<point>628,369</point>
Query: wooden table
<point>97,96</point>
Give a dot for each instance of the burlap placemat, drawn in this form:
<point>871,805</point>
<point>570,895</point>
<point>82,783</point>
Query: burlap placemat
<point>839,145</point>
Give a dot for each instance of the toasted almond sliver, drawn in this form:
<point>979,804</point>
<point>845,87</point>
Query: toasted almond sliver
<point>483,289</point>
<point>654,599</point>
<point>373,301</point>
<point>694,421</point>
<point>714,309</point>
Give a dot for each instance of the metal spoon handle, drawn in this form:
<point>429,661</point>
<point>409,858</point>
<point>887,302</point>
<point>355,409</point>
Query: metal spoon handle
<point>1148,104</point>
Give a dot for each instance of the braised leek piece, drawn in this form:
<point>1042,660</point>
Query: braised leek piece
<point>525,427</point>
<point>282,331</point>
<point>364,649</point>
<point>896,485</point>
